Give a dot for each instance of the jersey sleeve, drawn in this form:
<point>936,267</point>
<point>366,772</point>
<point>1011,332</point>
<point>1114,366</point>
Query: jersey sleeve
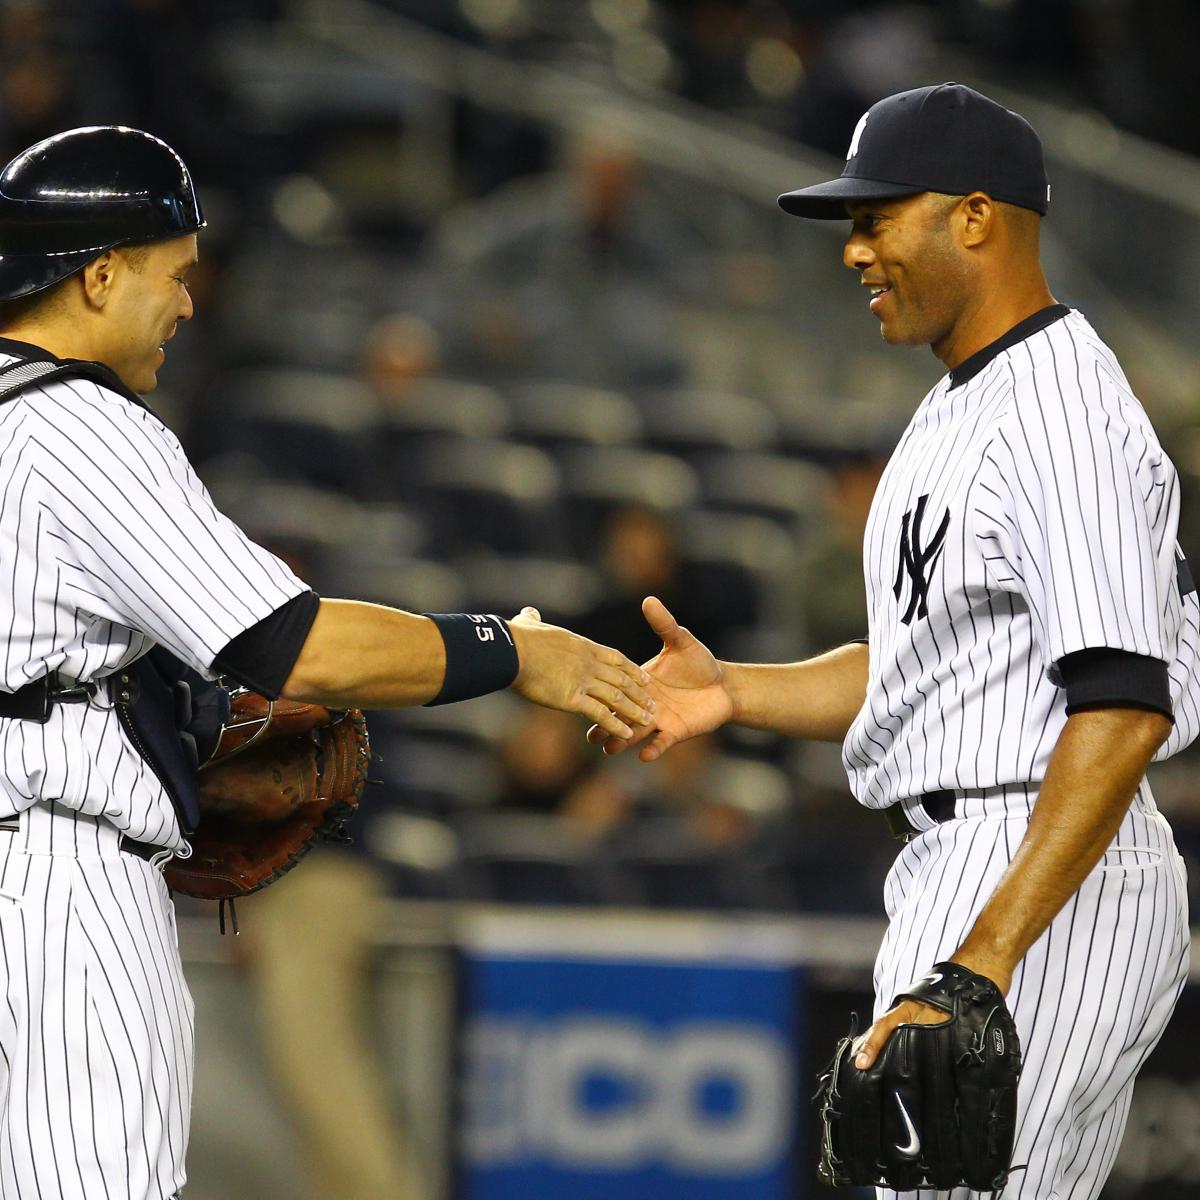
<point>1075,510</point>
<point>137,537</point>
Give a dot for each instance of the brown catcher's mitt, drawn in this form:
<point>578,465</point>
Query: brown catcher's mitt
<point>284,775</point>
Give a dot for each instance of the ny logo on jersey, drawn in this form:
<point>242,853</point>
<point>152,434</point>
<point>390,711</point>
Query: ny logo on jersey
<point>917,561</point>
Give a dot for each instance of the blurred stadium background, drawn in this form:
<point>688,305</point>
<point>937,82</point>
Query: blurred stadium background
<point>496,307</point>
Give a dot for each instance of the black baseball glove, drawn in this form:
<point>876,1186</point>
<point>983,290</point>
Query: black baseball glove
<point>938,1107</point>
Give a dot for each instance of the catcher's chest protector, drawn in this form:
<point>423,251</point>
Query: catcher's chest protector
<point>172,715</point>
<point>164,707</point>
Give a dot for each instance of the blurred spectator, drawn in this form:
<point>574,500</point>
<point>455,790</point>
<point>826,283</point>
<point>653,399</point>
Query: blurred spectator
<point>308,945</point>
<point>37,78</point>
<point>852,61</point>
<point>833,596</point>
<point>1140,65</point>
<point>717,799</point>
<point>401,348</point>
<point>1132,59</point>
<point>567,275</point>
<point>543,759</point>
<point>685,831</point>
<point>711,39</point>
<point>635,825</point>
<point>641,556</point>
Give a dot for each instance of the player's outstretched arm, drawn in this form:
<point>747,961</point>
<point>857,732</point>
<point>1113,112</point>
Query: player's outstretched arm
<point>370,656</point>
<point>696,693</point>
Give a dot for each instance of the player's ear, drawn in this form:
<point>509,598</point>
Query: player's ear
<point>977,216</point>
<point>98,277</point>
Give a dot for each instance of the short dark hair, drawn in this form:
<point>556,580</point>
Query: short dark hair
<point>13,312</point>
<point>136,255</point>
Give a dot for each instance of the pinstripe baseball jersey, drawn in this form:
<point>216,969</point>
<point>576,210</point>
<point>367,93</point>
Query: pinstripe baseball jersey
<point>111,544</point>
<point>1027,513</point>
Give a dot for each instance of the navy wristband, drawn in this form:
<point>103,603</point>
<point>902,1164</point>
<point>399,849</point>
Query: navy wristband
<point>481,656</point>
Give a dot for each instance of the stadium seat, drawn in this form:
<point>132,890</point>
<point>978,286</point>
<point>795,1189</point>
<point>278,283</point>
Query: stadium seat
<point>658,864</point>
<point>747,563</point>
<point>312,426</point>
<point>487,495</point>
<point>449,406</point>
<point>287,302</point>
<point>418,853</point>
<point>431,775</point>
<point>317,523</point>
<point>486,720</point>
<point>431,410</point>
<point>416,584</point>
<point>688,422</point>
<point>523,858</point>
<point>554,414</point>
<point>784,489</point>
<point>560,589</point>
<point>599,479</point>
<point>268,508</point>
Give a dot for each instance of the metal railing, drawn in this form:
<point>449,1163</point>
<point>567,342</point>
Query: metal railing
<point>1123,241</point>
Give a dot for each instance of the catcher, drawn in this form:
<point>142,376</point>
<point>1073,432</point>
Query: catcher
<point>119,578</point>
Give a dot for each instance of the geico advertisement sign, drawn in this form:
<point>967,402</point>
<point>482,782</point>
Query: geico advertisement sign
<point>708,1098</point>
<point>1162,1140</point>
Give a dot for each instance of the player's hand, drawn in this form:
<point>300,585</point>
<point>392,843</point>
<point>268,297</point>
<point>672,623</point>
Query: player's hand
<point>908,1012</point>
<point>911,1012</point>
<point>687,685</point>
<point>559,669</point>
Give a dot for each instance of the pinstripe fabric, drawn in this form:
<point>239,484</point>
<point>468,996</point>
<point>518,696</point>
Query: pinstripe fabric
<point>1090,999</point>
<point>1028,512</point>
<point>96,1033</point>
<point>110,544</point>
<point>1057,512</point>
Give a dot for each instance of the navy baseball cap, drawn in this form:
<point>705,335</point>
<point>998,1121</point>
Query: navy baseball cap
<point>945,138</point>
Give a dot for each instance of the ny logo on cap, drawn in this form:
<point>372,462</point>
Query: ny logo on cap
<point>857,135</point>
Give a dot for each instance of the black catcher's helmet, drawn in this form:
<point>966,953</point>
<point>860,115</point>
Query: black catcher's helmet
<point>66,200</point>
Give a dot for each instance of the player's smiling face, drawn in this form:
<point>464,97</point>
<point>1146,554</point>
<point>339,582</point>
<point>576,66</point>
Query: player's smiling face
<point>149,298</point>
<point>914,276</point>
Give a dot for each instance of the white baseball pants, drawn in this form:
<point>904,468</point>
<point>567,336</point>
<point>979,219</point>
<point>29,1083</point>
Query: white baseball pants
<point>1091,998</point>
<point>96,1032</point>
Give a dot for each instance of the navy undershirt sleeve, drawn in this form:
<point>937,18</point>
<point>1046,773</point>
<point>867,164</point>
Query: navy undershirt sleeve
<point>1105,678</point>
<point>262,657</point>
